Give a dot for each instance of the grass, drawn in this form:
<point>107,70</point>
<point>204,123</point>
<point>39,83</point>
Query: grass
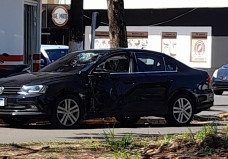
<point>125,147</point>
<point>121,148</point>
<point>207,130</point>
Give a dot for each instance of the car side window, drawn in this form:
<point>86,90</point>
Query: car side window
<point>149,62</point>
<point>170,66</point>
<point>117,63</point>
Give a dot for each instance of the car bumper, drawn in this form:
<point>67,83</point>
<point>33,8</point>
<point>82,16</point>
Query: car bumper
<point>21,106</point>
<point>204,102</point>
<point>15,114</point>
<point>220,85</point>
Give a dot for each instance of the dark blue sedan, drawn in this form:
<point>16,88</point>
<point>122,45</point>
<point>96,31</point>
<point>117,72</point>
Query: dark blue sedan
<point>122,83</point>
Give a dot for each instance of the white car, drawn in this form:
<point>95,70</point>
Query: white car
<point>50,53</point>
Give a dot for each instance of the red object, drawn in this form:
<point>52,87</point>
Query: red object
<point>36,67</point>
<point>208,78</point>
<point>12,58</point>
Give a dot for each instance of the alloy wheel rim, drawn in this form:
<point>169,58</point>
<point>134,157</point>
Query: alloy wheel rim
<point>68,112</point>
<point>182,110</point>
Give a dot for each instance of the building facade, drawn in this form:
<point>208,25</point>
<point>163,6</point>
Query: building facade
<point>194,32</point>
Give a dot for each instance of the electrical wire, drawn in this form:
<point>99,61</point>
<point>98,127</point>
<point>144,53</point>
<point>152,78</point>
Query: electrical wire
<point>156,24</point>
<point>179,16</point>
<point>91,19</point>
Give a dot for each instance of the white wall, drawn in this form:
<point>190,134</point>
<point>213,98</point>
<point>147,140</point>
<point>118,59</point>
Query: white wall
<point>149,4</point>
<point>183,41</point>
<point>11,26</point>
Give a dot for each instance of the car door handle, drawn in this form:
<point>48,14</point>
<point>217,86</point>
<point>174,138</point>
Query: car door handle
<point>169,80</point>
<point>130,81</point>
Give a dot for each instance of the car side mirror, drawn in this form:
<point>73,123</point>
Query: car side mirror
<point>42,61</point>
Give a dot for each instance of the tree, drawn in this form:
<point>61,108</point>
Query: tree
<point>117,27</point>
<point>76,25</point>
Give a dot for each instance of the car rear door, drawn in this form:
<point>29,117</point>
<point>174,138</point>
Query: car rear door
<point>151,83</point>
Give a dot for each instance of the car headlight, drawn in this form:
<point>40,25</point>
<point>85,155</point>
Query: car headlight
<point>215,74</point>
<point>35,89</point>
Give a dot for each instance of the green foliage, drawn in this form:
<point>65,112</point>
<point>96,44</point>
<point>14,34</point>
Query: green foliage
<point>167,139</point>
<point>122,148</point>
<point>226,129</point>
<point>206,130</point>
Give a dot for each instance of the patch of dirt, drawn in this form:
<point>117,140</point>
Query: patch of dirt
<point>213,146</point>
<point>64,150</point>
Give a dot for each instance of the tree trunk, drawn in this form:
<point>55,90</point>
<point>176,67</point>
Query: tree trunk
<point>76,26</point>
<point>117,27</point>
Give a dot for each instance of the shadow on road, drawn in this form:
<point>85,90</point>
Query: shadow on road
<point>101,126</point>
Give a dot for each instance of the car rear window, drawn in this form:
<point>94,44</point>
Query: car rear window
<point>149,62</point>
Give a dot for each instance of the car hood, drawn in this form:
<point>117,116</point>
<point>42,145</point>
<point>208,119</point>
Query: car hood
<point>33,78</point>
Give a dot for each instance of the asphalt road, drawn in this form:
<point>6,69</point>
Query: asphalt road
<point>43,133</point>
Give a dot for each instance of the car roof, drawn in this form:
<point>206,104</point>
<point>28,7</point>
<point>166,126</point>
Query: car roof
<point>46,47</point>
<point>129,50</point>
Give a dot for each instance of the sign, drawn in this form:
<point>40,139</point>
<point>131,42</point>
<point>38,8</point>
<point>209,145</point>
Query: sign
<point>137,40</point>
<point>60,16</point>
<point>198,49</point>
<point>169,42</point>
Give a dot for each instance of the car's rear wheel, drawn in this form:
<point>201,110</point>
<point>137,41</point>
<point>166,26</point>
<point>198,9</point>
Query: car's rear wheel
<point>181,110</point>
<point>67,112</point>
<point>218,92</point>
<point>127,120</point>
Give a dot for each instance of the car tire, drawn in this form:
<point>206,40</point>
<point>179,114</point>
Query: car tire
<point>127,120</point>
<point>218,92</point>
<point>67,112</point>
<point>181,110</point>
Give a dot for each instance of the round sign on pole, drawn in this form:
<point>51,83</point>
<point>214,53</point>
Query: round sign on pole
<point>60,16</point>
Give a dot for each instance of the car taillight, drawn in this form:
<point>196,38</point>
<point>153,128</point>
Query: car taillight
<point>208,79</point>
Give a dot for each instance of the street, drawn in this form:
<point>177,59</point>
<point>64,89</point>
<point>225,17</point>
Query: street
<point>43,133</point>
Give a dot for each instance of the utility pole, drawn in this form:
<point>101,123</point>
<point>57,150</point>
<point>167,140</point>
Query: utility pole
<point>117,27</point>
<point>93,29</point>
<point>76,26</point>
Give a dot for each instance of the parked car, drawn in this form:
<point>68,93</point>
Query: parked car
<point>50,53</point>
<point>220,80</point>
<point>13,69</point>
<point>122,83</point>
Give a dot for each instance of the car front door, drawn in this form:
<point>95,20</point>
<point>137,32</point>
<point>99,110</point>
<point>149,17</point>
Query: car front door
<point>108,82</point>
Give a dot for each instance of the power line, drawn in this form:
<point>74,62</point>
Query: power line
<point>179,16</point>
<point>156,24</point>
<point>91,19</point>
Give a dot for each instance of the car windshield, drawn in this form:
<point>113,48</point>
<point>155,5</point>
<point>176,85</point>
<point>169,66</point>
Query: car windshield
<point>72,62</point>
<point>55,54</point>
<point>226,65</point>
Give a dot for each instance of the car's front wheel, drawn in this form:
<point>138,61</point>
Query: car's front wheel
<point>181,110</point>
<point>67,112</point>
